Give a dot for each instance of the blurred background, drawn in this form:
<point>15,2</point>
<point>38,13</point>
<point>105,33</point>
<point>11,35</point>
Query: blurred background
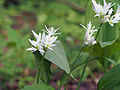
<point>18,18</point>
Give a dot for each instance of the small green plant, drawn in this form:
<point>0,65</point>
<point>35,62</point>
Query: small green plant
<point>99,42</point>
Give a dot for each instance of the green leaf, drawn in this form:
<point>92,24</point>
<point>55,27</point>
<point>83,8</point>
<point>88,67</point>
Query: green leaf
<point>38,58</point>
<point>79,62</point>
<point>116,87</point>
<point>112,49</point>
<point>106,51</point>
<point>38,87</point>
<point>45,72</point>
<point>104,44</point>
<point>114,1</point>
<point>110,79</point>
<point>108,59</point>
<point>107,35</point>
<point>58,57</point>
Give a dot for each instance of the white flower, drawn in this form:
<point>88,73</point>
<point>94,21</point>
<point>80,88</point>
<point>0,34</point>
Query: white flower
<point>43,42</point>
<point>89,27</point>
<point>35,34</point>
<point>115,18</point>
<point>36,46</point>
<point>52,31</point>
<point>49,41</point>
<point>38,37</point>
<point>89,38</point>
<point>118,9</point>
<point>101,11</point>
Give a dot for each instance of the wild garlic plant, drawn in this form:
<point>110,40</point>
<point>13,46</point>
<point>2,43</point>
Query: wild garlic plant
<point>51,50</point>
<point>43,42</point>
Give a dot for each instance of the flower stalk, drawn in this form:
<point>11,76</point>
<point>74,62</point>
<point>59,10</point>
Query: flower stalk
<point>73,64</point>
<point>84,68</point>
<point>88,41</point>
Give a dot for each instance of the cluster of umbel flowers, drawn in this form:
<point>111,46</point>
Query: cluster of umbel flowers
<point>105,12</point>
<point>44,41</point>
<point>89,38</point>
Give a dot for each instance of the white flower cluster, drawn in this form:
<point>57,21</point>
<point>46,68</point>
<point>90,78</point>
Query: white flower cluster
<point>105,12</point>
<point>44,42</point>
<point>89,38</point>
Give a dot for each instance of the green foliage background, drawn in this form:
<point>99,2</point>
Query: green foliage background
<point>18,17</point>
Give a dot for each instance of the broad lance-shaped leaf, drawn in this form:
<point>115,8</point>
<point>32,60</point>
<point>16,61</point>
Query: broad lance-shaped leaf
<point>110,79</point>
<point>107,35</point>
<point>58,57</point>
<point>104,44</point>
<point>106,51</point>
<point>45,72</point>
<point>38,87</point>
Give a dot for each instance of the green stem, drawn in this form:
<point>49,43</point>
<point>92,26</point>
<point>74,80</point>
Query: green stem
<point>72,69</point>
<point>81,77</point>
<point>104,64</point>
<point>39,68</point>
<point>77,58</point>
<point>65,86</point>
<point>84,68</point>
<point>98,32</point>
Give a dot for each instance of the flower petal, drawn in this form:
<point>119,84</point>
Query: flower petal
<point>83,26</point>
<point>34,33</point>
<point>31,49</point>
<point>33,42</point>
